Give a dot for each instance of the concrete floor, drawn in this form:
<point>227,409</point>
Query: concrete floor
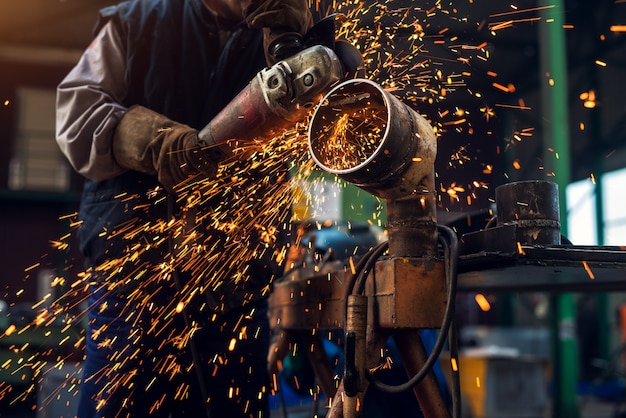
<point>589,408</point>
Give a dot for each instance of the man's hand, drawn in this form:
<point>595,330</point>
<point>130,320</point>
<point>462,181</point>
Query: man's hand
<point>284,23</point>
<point>149,142</point>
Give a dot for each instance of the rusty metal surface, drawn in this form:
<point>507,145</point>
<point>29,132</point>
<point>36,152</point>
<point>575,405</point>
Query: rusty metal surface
<point>306,303</point>
<point>408,293</point>
<point>404,293</point>
<point>533,206</point>
<point>404,151</point>
<point>412,222</point>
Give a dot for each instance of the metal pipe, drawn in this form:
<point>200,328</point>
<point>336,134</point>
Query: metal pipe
<point>412,222</point>
<point>427,392</point>
<point>366,136</point>
<point>533,207</point>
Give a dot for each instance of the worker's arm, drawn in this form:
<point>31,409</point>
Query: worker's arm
<point>102,139</point>
<point>89,109</point>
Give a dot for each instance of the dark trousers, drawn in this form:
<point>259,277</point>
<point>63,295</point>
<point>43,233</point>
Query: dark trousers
<point>137,363</point>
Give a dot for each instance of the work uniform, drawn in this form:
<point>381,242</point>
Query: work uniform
<point>179,59</point>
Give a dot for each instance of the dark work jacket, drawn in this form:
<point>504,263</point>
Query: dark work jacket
<point>175,66</point>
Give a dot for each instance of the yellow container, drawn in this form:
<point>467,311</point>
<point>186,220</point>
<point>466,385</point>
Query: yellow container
<point>496,386</point>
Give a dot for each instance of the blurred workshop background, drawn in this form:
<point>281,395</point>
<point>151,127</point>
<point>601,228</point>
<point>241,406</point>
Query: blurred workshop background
<point>545,100</point>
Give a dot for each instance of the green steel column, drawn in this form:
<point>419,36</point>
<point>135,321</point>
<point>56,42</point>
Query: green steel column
<point>556,138</point>
<point>599,197</point>
<point>602,299</point>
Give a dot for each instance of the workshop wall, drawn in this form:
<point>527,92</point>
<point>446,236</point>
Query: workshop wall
<point>37,186</point>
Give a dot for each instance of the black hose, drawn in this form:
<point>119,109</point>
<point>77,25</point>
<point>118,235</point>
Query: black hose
<point>360,267</point>
<point>455,378</point>
<point>450,252</point>
<point>448,330</point>
<point>369,264</point>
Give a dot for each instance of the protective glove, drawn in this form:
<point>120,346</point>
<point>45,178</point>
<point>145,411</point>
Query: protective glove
<point>149,142</point>
<point>284,23</point>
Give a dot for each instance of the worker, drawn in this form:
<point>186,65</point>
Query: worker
<point>129,119</point>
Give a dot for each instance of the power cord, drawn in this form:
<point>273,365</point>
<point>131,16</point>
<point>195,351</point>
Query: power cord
<point>449,242</point>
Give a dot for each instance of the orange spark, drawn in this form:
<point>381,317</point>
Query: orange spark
<point>521,107</point>
<point>10,330</point>
<point>482,302</point>
<point>507,89</point>
<point>454,364</point>
<point>588,270</point>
